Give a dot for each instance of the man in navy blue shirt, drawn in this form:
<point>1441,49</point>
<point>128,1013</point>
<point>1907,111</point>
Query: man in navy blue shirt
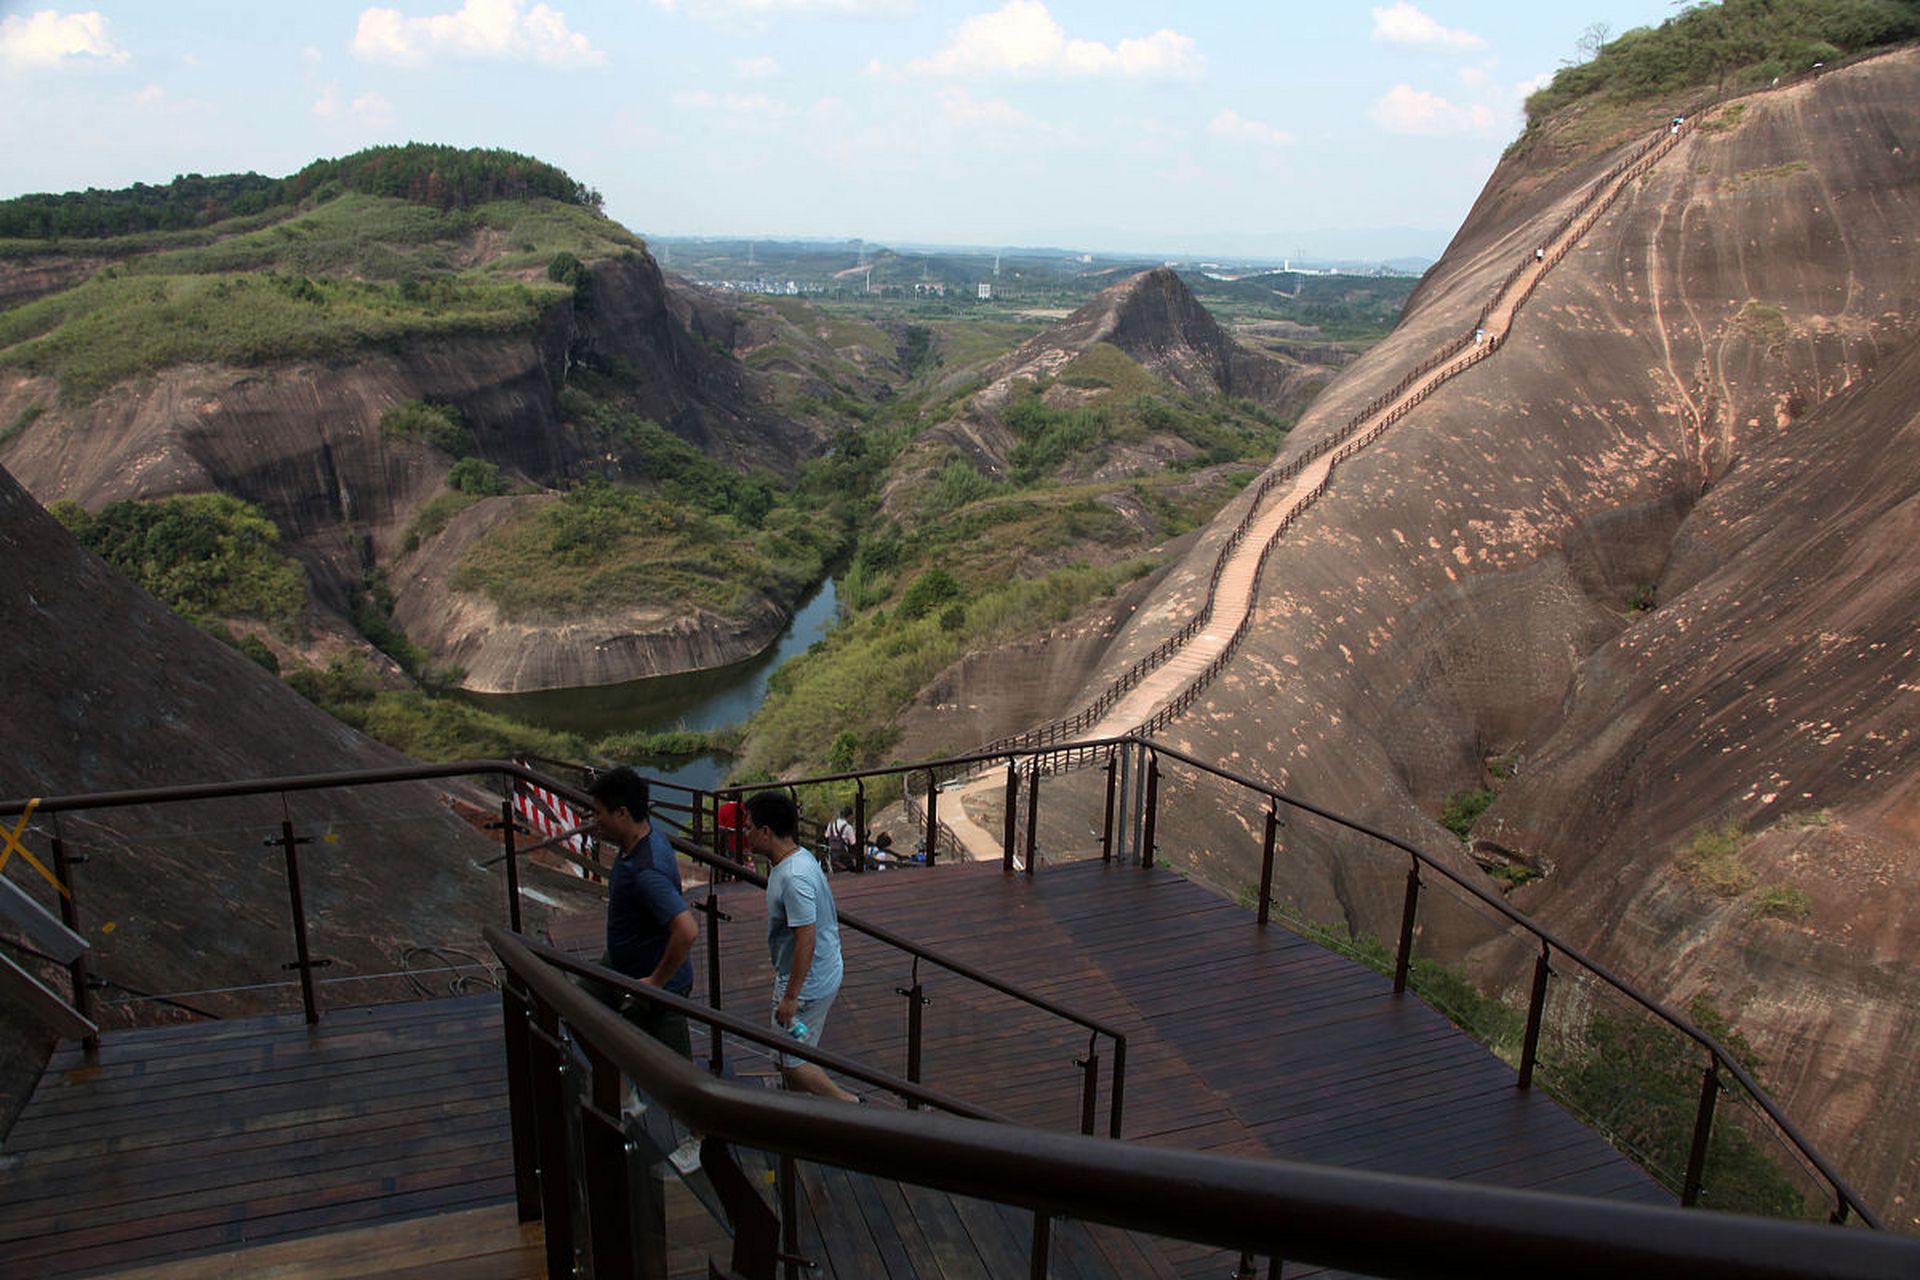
<point>650,928</point>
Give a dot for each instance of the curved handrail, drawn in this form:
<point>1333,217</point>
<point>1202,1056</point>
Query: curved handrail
<point>1379,1224</point>
<point>1547,938</point>
<point>755,1032</point>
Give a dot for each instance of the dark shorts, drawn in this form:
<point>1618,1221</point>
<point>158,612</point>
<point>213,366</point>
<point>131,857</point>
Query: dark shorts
<point>664,1025</point>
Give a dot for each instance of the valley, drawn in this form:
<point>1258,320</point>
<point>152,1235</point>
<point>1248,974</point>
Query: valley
<point>1618,622</point>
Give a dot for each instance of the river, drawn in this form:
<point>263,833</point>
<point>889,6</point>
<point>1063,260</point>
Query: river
<point>695,700</point>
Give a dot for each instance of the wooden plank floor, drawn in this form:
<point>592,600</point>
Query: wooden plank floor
<point>194,1141</point>
<point>209,1136</point>
<point>1240,1041</point>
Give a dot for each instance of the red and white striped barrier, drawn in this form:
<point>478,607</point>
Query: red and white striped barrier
<point>552,817</point>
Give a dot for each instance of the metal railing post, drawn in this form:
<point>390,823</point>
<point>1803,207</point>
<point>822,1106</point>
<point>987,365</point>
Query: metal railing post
<point>1033,814</point>
<point>1009,823</point>
<point>933,819</point>
<point>290,842</point>
<point>1123,830</point>
<point>1089,1086</point>
<point>1119,1085</point>
<point>1702,1132</point>
<point>1153,810</point>
<point>549,1075</point>
<point>617,1250</point>
<point>790,1215</point>
<point>1536,1010</point>
<point>515,1025</point>
<point>1106,823</point>
<point>513,863</point>
<point>70,916</point>
<point>1404,960</point>
<point>1266,860</point>
<point>716,1048</point>
<point>916,1003</point>
<point>1042,1246</point>
<point>860,824</point>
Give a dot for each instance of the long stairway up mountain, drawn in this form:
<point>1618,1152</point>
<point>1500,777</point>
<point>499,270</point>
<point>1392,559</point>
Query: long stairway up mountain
<point>1165,682</point>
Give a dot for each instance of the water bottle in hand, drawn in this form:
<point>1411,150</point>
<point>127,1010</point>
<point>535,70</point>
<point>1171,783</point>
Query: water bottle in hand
<point>798,1030</point>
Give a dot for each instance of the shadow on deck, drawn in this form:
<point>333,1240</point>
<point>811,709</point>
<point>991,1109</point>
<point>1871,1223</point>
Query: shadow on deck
<point>200,1139</point>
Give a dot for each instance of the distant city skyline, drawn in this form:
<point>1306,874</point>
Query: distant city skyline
<point>1248,129</point>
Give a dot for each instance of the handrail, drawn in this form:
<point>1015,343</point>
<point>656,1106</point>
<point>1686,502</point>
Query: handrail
<point>1549,938</point>
<point>757,1032</point>
<point>414,773</point>
<point>1380,1224</point>
<point>880,933</point>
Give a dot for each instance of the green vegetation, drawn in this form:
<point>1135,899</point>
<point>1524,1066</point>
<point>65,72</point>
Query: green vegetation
<point>1644,598</point>
<point>1463,808</point>
<point>1738,42</point>
<point>438,176</point>
<point>600,547</point>
<point>1781,902</point>
<point>208,556</point>
<point>421,725</point>
<point>476,476</point>
<point>119,325</point>
<point>1712,860</point>
<point>437,424</point>
<point>433,516</point>
<point>1766,325</point>
<point>854,681</point>
<point>1638,1082</point>
<point>1801,819</point>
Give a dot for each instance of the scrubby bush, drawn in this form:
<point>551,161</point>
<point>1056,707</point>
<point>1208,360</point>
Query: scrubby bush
<point>439,425</point>
<point>476,476</point>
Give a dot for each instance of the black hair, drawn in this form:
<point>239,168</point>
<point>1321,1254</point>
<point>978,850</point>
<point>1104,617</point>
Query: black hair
<point>775,811</point>
<point>621,788</point>
<point>846,811</point>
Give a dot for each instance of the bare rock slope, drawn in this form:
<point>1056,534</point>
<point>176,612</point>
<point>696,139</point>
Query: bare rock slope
<point>107,689</point>
<point>1708,407</point>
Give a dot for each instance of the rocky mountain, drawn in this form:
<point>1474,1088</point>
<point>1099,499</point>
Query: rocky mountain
<point>1653,558</point>
<point>1145,336</point>
<point>529,371</point>
<point>107,689</point>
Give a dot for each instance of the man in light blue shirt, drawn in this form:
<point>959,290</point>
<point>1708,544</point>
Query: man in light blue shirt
<point>803,937</point>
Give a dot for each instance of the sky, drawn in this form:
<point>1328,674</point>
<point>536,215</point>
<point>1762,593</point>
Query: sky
<point>1272,127</point>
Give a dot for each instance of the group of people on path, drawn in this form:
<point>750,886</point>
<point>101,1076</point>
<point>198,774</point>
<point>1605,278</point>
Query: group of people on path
<point>651,929</point>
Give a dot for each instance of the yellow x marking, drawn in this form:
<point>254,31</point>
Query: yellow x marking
<point>12,845</point>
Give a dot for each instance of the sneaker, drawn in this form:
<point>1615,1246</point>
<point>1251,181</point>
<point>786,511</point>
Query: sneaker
<point>633,1108</point>
<point>686,1157</point>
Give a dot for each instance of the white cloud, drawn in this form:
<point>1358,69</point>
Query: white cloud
<point>1527,88</point>
<point>965,111</point>
<point>1022,38</point>
<point>739,106</point>
<point>372,110</point>
<point>1473,77</point>
<point>760,68</point>
<point>52,39</point>
<point>152,100</point>
<point>1232,125</point>
<point>1405,109</point>
<point>495,29</point>
<point>1405,24</point>
<point>722,10</point>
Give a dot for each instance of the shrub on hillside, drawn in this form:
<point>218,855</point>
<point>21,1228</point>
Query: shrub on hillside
<point>205,555</point>
<point>437,424</point>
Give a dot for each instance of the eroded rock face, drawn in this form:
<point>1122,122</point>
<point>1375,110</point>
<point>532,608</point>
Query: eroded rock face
<point>502,655</point>
<point>1708,404</point>
<point>302,441</point>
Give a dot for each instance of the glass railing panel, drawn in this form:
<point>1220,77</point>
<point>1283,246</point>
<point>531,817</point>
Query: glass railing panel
<point>1753,1167</point>
<point>1628,1074</point>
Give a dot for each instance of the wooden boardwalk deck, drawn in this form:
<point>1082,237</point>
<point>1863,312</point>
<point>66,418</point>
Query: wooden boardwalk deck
<point>197,1140</point>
